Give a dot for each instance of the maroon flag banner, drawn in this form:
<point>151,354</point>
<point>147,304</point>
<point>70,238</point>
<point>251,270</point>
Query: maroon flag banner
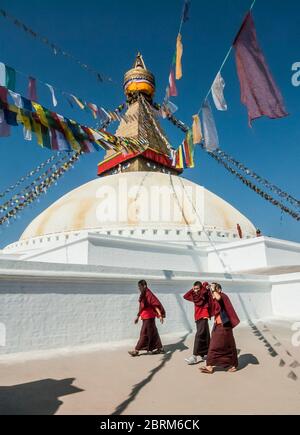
<point>259,92</point>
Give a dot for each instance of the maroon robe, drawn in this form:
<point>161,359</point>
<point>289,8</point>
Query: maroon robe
<point>227,305</point>
<point>149,337</point>
<point>148,299</point>
<point>222,350</point>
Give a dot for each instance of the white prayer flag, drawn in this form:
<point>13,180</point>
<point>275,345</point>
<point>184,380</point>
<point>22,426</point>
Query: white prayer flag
<point>211,140</point>
<point>218,92</point>
<point>54,100</point>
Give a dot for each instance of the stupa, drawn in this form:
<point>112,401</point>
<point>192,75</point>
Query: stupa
<point>140,218</point>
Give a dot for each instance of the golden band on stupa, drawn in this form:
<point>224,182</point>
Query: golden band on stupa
<point>139,79</point>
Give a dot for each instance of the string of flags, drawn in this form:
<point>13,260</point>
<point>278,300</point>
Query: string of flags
<point>256,189</point>
<point>195,134</point>
<point>54,131</point>
<point>29,175</point>
<point>55,49</point>
<point>39,189</point>
<point>19,197</point>
<point>8,78</point>
<point>176,65</point>
<point>259,92</point>
<point>266,183</point>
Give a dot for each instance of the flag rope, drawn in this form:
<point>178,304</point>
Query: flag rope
<point>53,47</point>
<point>222,65</point>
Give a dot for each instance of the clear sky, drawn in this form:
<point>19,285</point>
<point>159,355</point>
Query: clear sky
<point>107,35</point>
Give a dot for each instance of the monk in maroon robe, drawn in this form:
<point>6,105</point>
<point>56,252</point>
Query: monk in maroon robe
<point>201,296</point>
<point>222,349</point>
<point>149,308</point>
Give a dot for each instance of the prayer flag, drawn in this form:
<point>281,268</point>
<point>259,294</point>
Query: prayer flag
<point>17,99</point>
<point>179,53</point>
<point>259,92</point>
<point>211,140</point>
<point>2,74</point>
<point>32,92</point>
<point>54,100</point>
<point>10,79</point>
<point>197,131</point>
<point>179,158</point>
<point>172,87</point>
<point>218,92</point>
<point>78,102</point>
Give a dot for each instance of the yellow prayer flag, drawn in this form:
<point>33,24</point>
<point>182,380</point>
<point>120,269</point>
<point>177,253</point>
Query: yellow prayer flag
<point>197,130</point>
<point>179,53</point>
<point>179,158</point>
<point>38,131</point>
<point>78,102</point>
<point>40,113</point>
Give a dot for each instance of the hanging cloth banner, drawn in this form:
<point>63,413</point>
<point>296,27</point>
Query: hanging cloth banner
<point>218,92</point>
<point>2,74</point>
<point>211,140</point>
<point>78,102</point>
<point>7,77</point>
<point>259,92</point>
<point>172,88</point>
<point>188,148</point>
<point>17,99</point>
<point>179,53</point>
<point>54,100</point>
<point>179,158</point>
<point>10,78</point>
<point>32,92</point>
<point>197,131</point>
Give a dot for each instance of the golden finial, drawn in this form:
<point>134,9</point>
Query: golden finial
<point>139,80</point>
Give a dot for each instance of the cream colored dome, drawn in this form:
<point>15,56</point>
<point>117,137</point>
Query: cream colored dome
<point>134,200</point>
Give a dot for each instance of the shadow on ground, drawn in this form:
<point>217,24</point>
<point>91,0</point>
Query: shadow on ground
<point>38,397</point>
<point>246,360</point>
<point>169,351</point>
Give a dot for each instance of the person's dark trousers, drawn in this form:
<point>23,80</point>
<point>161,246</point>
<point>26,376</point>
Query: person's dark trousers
<point>202,338</point>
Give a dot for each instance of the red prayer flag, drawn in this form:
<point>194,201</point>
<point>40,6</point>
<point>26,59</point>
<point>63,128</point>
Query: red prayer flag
<point>259,92</point>
<point>32,92</point>
<point>172,87</point>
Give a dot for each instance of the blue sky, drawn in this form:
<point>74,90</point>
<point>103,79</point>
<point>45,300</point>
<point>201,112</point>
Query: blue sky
<point>107,34</point>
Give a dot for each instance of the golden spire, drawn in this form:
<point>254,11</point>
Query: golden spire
<point>139,80</point>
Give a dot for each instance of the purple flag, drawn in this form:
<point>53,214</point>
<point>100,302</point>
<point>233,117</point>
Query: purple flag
<point>259,92</point>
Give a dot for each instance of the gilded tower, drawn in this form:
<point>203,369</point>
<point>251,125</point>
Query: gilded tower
<point>140,122</point>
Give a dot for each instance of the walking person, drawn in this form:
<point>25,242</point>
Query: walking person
<point>222,349</point>
<point>150,308</point>
<point>200,295</point>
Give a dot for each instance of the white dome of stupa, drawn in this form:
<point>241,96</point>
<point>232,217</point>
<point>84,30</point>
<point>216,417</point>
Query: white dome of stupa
<point>140,204</point>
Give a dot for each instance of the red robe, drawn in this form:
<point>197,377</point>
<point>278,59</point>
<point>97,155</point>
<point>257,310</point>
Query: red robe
<point>230,311</point>
<point>202,301</point>
<point>148,299</point>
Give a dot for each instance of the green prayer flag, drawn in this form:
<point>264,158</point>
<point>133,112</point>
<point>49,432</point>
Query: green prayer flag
<point>10,79</point>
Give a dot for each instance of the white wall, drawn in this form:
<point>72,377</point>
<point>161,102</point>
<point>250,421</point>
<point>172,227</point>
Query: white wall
<point>124,252</point>
<point>48,306</point>
<point>258,253</point>
<point>286,295</point>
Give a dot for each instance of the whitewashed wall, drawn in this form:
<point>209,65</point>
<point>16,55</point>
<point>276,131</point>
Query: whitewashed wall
<point>286,295</point>
<point>253,254</point>
<point>49,306</point>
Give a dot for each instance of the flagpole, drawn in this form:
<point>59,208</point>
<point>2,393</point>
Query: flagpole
<point>222,65</point>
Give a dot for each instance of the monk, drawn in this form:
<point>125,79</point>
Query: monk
<point>222,350</point>
<point>149,308</point>
<point>200,295</point>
